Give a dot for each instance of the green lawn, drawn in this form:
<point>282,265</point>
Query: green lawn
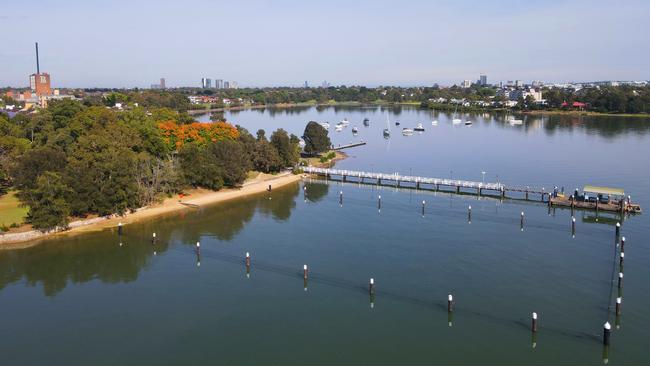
<point>10,210</point>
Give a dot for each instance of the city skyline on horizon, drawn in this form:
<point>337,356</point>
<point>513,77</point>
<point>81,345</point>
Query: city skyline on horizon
<point>386,45</point>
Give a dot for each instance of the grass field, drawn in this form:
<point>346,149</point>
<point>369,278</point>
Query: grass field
<point>10,210</point>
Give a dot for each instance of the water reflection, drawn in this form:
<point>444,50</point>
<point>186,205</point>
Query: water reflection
<point>110,258</point>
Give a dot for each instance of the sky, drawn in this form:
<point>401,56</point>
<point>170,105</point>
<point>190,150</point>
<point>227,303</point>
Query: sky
<point>117,43</point>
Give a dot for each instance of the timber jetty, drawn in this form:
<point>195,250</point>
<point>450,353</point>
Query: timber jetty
<point>498,190</point>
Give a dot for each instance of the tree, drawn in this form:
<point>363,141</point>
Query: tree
<point>231,157</point>
<point>282,143</point>
<point>101,171</point>
<point>200,168</point>
<point>47,207</point>
<point>261,135</point>
<point>266,158</point>
<point>316,139</point>
<point>35,162</point>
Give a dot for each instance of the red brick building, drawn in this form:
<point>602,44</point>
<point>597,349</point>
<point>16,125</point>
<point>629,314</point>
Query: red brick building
<point>40,83</point>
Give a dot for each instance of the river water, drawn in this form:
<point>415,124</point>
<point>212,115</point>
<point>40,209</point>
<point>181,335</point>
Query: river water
<point>87,299</point>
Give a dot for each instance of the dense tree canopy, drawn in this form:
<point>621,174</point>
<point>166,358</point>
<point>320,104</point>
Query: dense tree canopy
<point>76,159</point>
<point>316,139</point>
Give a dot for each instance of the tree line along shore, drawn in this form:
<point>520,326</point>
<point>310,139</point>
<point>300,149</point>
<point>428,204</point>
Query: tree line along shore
<point>74,160</point>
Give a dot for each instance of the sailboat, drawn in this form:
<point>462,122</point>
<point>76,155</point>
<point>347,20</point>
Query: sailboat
<point>387,129</point>
<point>419,127</point>
<point>434,123</point>
<point>456,121</point>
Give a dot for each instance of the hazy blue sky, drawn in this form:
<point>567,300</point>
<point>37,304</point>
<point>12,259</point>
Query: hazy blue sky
<point>120,43</point>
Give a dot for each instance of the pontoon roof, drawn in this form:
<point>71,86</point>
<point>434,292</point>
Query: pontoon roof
<point>604,190</point>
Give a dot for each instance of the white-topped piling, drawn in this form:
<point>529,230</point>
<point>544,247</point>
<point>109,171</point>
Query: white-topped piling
<point>450,303</point>
<point>119,228</point>
<point>619,301</point>
<point>607,329</point>
<point>534,322</point>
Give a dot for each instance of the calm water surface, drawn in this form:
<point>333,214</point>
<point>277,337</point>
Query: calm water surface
<point>86,299</point>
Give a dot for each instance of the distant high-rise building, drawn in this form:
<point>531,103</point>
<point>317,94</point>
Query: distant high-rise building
<point>519,83</point>
<point>483,80</point>
<point>234,85</point>
<point>40,82</point>
<point>306,84</point>
<point>466,84</point>
<point>162,83</point>
<point>204,83</point>
<point>325,84</point>
<point>218,83</point>
<point>226,85</point>
<point>208,83</point>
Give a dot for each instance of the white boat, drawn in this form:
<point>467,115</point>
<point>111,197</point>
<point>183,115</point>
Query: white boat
<point>325,125</point>
<point>344,122</point>
<point>355,129</point>
<point>387,129</point>
<point>407,131</point>
<point>434,123</point>
<point>419,127</point>
<point>468,123</point>
<point>338,128</point>
<point>456,121</point>
<point>515,122</point>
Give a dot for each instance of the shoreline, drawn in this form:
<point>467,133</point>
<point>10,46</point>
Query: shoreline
<point>198,198</point>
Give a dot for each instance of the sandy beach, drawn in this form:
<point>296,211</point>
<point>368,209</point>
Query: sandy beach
<point>193,198</point>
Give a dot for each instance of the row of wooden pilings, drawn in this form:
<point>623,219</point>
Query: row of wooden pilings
<point>606,337</point>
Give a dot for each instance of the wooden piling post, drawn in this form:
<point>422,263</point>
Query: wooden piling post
<point>620,260</point>
<point>618,230</point>
<point>469,214</point>
<point>379,203</point>
<point>341,198</point>
<point>450,303</point>
<point>573,226</point>
<point>153,238</point>
<point>620,280</point>
<point>248,259</point>
<point>606,333</point>
<point>371,287</point>
<point>269,188</point>
<point>304,272</point>
<point>527,192</point>
<point>521,221</point>
<point>543,193</point>
<point>534,323</point>
<point>119,228</point>
<point>618,305</point>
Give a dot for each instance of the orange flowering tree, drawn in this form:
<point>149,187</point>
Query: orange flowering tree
<point>200,133</point>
